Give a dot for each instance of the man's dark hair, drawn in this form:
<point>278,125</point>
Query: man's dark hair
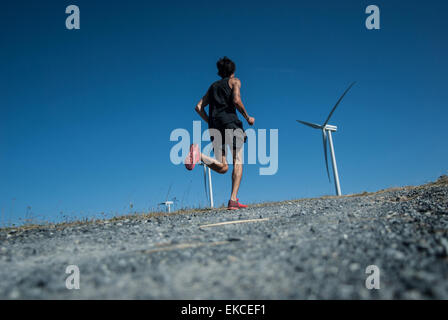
<point>226,67</point>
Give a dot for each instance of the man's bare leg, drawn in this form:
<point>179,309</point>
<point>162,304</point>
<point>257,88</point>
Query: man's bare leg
<point>237,172</point>
<point>215,165</point>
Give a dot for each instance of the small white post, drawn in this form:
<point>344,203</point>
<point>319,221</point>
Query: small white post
<point>210,188</point>
<point>335,167</point>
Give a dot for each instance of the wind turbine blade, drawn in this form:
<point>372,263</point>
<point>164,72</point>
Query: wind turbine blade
<point>324,136</point>
<point>309,124</point>
<point>168,193</point>
<point>337,103</point>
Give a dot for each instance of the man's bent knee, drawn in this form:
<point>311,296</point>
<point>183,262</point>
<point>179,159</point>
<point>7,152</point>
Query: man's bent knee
<point>224,169</point>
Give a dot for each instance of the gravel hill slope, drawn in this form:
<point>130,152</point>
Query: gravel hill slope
<point>305,249</point>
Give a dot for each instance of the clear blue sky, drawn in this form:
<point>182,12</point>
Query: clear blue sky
<point>85,115</point>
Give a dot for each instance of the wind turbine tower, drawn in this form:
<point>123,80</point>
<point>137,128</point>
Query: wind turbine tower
<point>209,193</point>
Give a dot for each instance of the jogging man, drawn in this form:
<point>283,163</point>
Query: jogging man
<point>223,98</point>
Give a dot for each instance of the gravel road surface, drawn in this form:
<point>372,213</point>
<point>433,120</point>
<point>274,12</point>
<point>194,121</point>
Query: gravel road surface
<point>304,249</point>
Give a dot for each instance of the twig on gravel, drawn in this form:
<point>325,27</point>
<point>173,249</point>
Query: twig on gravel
<point>232,222</point>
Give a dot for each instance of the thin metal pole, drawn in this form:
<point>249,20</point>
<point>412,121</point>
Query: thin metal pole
<point>335,167</point>
<point>210,188</point>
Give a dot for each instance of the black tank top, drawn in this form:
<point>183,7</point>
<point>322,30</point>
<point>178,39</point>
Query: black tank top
<point>222,110</point>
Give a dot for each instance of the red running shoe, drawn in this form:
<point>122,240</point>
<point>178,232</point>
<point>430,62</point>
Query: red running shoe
<point>193,157</point>
<point>235,205</point>
<point>239,204</point>
<point>232,205</point>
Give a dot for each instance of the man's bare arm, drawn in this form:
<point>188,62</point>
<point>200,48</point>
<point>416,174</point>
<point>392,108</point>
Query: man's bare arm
<point>200,107</point>
<point>236,86</point>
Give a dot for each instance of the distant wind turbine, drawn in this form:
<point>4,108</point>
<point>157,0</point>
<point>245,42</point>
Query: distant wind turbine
<point>167,203</point>
<point>326,131</point>
<point>209,194</point>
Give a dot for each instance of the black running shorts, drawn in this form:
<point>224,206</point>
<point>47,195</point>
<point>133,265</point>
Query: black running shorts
<point>231,134</point>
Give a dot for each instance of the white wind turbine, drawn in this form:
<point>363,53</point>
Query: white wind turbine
<point>168,203</point>
<point>209,194</point>
<point>326,131</point>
